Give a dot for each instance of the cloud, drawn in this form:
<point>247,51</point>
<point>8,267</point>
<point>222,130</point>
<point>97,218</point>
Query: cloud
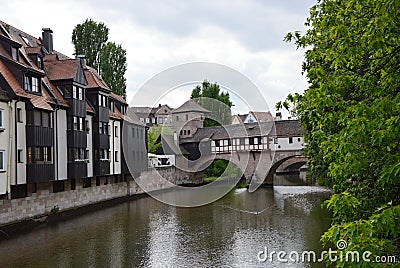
<point>245,35</point>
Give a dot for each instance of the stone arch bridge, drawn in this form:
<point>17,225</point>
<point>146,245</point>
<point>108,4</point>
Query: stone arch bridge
<point>258,149</point>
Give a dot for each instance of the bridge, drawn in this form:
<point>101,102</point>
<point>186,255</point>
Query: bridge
<point>258,149</point>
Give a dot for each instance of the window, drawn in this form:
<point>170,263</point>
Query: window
<point>147,120</point>
<point>290,139</point>
<point>103,128</point>
<point>2,161</point>
<point>188,132</point>
<point>74,93</point>
<point>153,120</point>
<point>19,115</point>
<point>298,139</point>
<point>184,132</point>
<point>39,62</point>
<point>251,141</point>
<point>116,131</point>
<point>187,117</point>
<point>76,154</point>
<point>80,126</point>
<point>20,156</point>
<point>177,118</point>
<point>43,154</point>
<point>116,156</point>
<point>102,100</point>
<point>29,156</point>
<point>141,120</point>
<point>32,84</point>
<point>78,123</point>
<point>80,93</point>
<point>14,53</point>
<point>1,118</point>
<point>75,123</point>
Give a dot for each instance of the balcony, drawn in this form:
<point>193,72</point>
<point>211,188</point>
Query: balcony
<point>39,172</point>
<point>101,141</point>
<point>103,114</point>
<point>39,136</point>
<point>76,139</point>
<point>101,167</point>
<point>77,170</point>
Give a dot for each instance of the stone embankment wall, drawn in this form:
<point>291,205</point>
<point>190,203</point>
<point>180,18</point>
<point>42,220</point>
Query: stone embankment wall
<point>43,201</point>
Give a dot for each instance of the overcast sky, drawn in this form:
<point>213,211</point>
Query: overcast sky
<point>244,35</point>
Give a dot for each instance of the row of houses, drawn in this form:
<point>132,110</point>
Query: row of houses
<point>59,121</point>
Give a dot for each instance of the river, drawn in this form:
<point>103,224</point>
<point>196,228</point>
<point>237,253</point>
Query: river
<point>146,233</point>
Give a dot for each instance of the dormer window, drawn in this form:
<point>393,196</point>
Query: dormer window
<point>32,84</point>
<point>14,53</point>
<point>39,62</point>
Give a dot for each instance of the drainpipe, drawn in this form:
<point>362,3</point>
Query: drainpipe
<point>8,177</point>
<point>16,141</point>
<point>55,152</point>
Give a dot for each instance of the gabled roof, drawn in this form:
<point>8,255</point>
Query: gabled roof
<point>62,69</point>
<point>28,45</point>
<point>190,106</point>
<point>161,109</point>
<point>94,79</point>
<point>117,98</point>
<point>284,128</point>
<point>262,116</point>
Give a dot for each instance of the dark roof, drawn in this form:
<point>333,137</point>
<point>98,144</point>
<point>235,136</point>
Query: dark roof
<point>284,128</point>
<point>190,106</point>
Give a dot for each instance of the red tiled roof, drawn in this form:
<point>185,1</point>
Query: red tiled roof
<point>117,98</point>
<point>94,80</point>
<point>263,116</point>
<point>64,69</point>
<point>36,100</point>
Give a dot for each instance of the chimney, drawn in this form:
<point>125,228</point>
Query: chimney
<point>159,105</point>
<point>82,58</point>
<point>278,116</point>
<point>47,39</point>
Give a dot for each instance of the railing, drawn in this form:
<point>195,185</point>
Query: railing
<point>77,170</point>
<point>39,172</point>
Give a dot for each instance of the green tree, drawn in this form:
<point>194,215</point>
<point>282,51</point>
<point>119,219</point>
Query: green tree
<point>219,103</point>
<point>152,139</point>
<point>90,39</point>
<point>351,116</point>
<point>113,67</point>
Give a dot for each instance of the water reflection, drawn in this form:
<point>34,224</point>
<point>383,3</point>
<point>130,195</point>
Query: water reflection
<point>147,233</point>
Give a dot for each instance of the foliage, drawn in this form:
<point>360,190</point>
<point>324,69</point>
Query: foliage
<point>351,116</point>
<point>152,139</point>
<point>113,67</point>
<point>222,168</point>
<point>209,96</point>
<point>90,39</point>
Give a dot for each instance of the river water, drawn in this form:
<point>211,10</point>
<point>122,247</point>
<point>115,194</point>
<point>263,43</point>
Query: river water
<point>146,233</point>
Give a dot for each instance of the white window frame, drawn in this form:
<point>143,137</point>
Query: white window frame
<point>74,95</point>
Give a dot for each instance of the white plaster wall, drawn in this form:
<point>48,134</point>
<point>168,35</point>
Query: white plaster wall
<point>60,131</point>
<point>89,146</point>
<point>5,146</point>
<point>117,147</point>
<point>284,144</point>
<point>21,144</point>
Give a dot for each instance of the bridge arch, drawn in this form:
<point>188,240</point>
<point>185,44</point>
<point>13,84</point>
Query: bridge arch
<point>285,162</point>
